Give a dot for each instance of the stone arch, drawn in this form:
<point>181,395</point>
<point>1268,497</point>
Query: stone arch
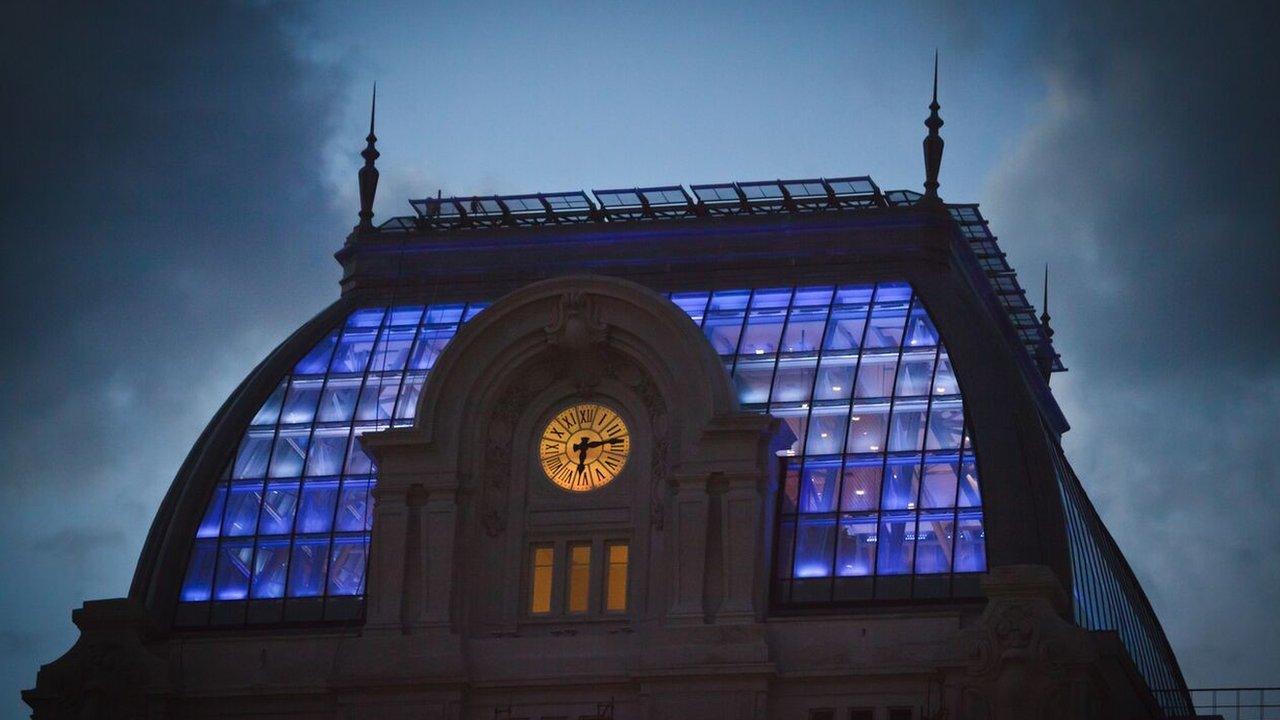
<point>583,332</point>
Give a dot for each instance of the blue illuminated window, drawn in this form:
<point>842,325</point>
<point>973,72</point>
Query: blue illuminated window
<point>880,482</point>
<point>285,535</point>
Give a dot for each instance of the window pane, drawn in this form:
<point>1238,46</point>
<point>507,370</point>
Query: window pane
<point>233,569</point>
<point>835,378</point>
<point>826,431</point>
<point>315,361</point>
<point>895,544</point>
<point>875,376</point>
<point>888,320</point>
<point>541,574</point>
<point>290,452</point>
<point>901,483</point>
<point>255,450</point>
<point>300,401</point>
<point>269,413</point>
<point>347,565</point>
<point>946,425</point>
<point>722,331</point>
<point>867,427</point>
<point>353,507</point>
<point>616,582</point>
<point>315,513</point>
<point>198,584</point>
<point>429,345</point>
<point>920,329</point>
<point>763,330</point>
<point>845,328</point>
<point>906,432</point>
<point>242,509</point>
<point>944,381</point>
<point>308,566</point>
<point>327,450</point>
<point>939,487</point>
<point>378,397</point>
<point>579,577</point>
<point>804,330</point>
<point>852,294</point>
<point>444,313</point>
<point>933,543</point>
<point>269,568</point>
<point>855,554</point>
<point>212,519</point>
<point>278,507</point>
<point>793,382</point>
<point>751,381</point>
<point>358,463</point>
<point>410,389</point>
<point>970,495</point>
<point>354,349</point>
<point>820,486</point>
<point>971,543</point>
<point>915,373</point>
<point>338,402</point>
<point>815,546</point>
<point>860,488</point>
<point>693,304</point>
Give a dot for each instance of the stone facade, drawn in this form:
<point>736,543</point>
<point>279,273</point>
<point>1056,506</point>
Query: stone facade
<point>459,501</point>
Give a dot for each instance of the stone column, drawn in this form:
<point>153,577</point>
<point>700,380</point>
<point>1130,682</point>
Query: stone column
<point>441,528</point>
<point>690,547</point>
<point>386,562</point>
<point>740,525</point>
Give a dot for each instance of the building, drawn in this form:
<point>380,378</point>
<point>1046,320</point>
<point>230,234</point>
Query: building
<point>780,449</point>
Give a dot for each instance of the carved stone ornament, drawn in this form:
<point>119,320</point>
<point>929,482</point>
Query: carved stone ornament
<point>1024,659</point>
<point>576,329</point>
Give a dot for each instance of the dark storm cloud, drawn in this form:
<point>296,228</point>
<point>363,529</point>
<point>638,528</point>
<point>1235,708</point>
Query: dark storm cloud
<point>163,224</point>
<point>1150,185</point>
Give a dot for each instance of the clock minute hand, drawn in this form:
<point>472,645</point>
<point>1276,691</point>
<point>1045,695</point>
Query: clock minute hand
<point>610,441</point>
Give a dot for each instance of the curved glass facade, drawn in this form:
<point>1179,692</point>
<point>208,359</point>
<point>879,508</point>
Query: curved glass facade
<point>286,533</point>
<point>1107,596</point>
<point>880,499</point>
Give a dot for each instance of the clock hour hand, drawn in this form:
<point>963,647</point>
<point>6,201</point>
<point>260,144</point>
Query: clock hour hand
<point>582,446</point>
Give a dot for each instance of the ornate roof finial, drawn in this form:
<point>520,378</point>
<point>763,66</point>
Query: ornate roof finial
<point>1046,358</point>
<point>369,174</point>
<point>933,141</point>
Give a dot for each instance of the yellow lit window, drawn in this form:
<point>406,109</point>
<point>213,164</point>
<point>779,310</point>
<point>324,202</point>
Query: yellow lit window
<point>615,581</point>
<point>542,579</point>
<point>579,577</point>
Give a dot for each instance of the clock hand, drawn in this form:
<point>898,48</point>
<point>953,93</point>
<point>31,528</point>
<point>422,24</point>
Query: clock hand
<point>582,446</point>
<point>610,441</point>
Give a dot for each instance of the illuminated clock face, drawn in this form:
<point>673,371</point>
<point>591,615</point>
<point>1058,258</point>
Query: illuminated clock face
<point>584,447</point>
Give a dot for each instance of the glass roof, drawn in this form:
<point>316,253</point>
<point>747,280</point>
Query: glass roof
<point>732,198</point>
<point>881,480</point>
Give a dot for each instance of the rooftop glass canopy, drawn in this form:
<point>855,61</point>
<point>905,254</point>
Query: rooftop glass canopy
<point>674,202</point>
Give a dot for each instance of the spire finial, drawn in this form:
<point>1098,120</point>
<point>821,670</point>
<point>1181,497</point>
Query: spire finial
<point>933,141</point>
<point>368,174</point>
<point>1046,357</point>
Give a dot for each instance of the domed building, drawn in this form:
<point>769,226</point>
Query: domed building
<point>781,449</point>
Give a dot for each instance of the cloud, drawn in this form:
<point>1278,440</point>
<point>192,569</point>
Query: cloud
<point>165,224</point>
<point>1149,184</point>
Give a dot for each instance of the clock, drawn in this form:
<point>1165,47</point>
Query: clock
<point>584,447</point>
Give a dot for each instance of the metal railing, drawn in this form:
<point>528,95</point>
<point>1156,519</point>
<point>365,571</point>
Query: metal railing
<point>1237,703</point>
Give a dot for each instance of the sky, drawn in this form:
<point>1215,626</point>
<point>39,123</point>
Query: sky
<point>176,178</point>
